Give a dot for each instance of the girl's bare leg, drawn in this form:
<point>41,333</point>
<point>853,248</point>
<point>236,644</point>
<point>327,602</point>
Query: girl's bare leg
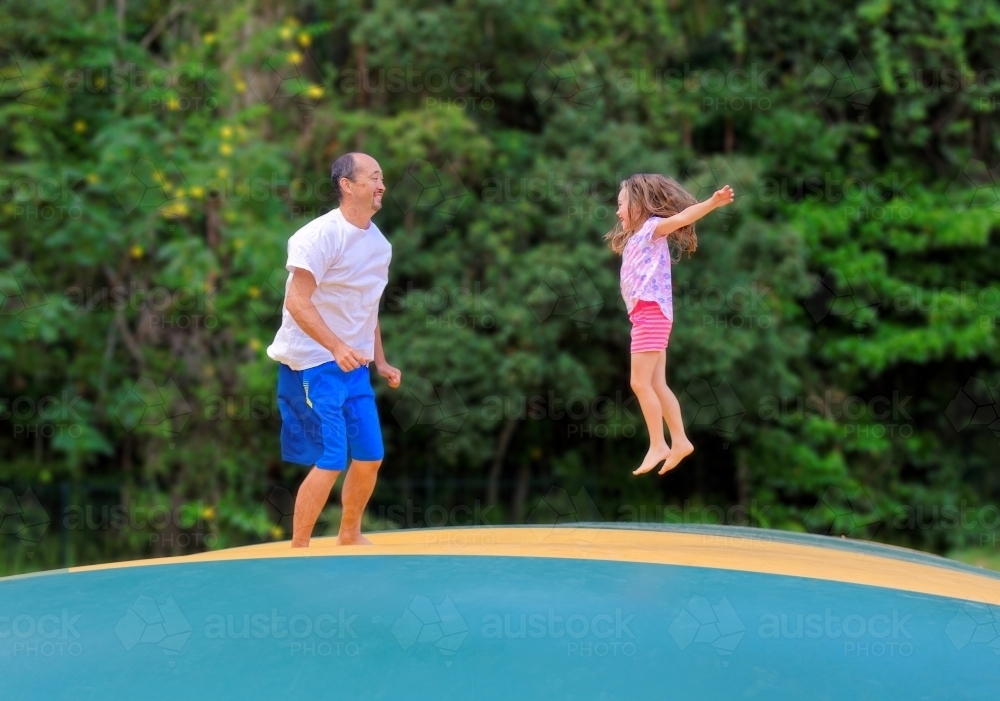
<point>680,446</point>
<point>643,367</point>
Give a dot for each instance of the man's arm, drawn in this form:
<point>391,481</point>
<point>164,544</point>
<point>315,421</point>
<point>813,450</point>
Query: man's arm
<point>693,213</point>
<point>393,375</point>
<point>299,304</point>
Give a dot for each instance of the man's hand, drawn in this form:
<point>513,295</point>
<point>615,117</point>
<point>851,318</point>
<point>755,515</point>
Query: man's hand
<point>391,374</point>
<point>349,358</point>
<point>722,197</point>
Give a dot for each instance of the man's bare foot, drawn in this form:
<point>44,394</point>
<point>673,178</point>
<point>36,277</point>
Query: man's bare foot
<point>678,452</point>
<point>652,459</point>
<point>354,539</point>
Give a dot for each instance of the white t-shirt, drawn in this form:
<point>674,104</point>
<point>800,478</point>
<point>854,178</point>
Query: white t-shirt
<point>351,267</point>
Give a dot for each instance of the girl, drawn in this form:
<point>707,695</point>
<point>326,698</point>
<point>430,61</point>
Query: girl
<point>654,211</point>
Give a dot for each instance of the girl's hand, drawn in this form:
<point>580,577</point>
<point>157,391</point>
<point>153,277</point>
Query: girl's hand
<point>393,375</point>
<point>722,197</point>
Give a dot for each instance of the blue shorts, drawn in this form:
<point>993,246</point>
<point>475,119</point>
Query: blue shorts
<point>328,416</point>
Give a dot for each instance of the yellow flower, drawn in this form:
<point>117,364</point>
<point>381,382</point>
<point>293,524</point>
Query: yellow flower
<point>93,178</point>
<point>255,344</point>
<point>286,33</point>
<point>173,210</point>
<point>238,244</point>
<point>167,188</point>
<point>222,172</point>
<point>277,532</point>
<point>99,81</point>
<point>79,126</point>
<point>241,86</point>
<point>136,251</point>
<point>173,104</point>
<point>208,513</point>
<point>254,291</point>
<point>180,193</point>
<point>198,191</point>
<point>295,58</point>
<point>209,38</point>
<point>305,40</point>
<point>315,92</point>
<point>226,150</point>
<point>227,132</point>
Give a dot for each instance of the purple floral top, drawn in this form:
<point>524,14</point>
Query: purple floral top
<point>646,270</point>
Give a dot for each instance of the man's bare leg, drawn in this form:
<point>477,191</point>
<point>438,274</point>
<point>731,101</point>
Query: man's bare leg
<point>309,503</point>
<point>358,487</point>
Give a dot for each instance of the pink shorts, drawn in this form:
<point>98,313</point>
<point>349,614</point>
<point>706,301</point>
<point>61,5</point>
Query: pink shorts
<point>650,329</point>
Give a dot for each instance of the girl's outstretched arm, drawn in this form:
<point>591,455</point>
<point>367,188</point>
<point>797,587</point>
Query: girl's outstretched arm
<point>690,215</point>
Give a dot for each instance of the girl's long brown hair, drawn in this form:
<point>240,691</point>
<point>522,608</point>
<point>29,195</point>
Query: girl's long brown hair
<point>653,195</point>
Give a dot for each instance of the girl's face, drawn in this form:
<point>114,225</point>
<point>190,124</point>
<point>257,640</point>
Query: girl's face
<point>623,207</point>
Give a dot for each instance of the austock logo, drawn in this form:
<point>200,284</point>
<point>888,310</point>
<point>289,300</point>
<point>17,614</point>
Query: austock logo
<point>841,513</point>
<point>285,75</point>
<point>145,404</point>
<point>716,407</point>
<point>574,80</point>
<point>560,510</point>
<point>274,518</point>
<point>425,186</point>
<point>976,404</point>
<point>23,81</point>
<point>559,295</point>
<point>716,625</point>
<point>23,299</point>
<point>976,186</point>
<point>424,622</point>
<point>838,78</point>
<point>160,624</point>
<point>267,299</point>
<point>709,177</point>
<point>22,517</point>
<point>147,187</point>
<point>851,298</point>
<point>424,405</point>
<point>975,623</point>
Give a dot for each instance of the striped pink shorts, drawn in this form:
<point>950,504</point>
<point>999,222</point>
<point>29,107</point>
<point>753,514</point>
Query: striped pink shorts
<point>650,329</point>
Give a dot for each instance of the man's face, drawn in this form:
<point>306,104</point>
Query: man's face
<point>367,187</point>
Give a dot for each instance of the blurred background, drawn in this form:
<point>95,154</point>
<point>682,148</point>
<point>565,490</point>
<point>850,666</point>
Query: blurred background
<point>835,344</point>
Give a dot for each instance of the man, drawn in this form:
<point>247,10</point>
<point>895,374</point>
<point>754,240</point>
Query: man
<point>339,265</point>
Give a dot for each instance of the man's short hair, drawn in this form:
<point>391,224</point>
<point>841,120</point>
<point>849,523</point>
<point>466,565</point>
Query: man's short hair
<point>343,167</point>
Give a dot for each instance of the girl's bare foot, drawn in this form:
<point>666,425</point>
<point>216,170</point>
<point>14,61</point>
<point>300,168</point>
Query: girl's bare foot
<point>354,539</point>
<point>653,457</point>
<point>678,452</point>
